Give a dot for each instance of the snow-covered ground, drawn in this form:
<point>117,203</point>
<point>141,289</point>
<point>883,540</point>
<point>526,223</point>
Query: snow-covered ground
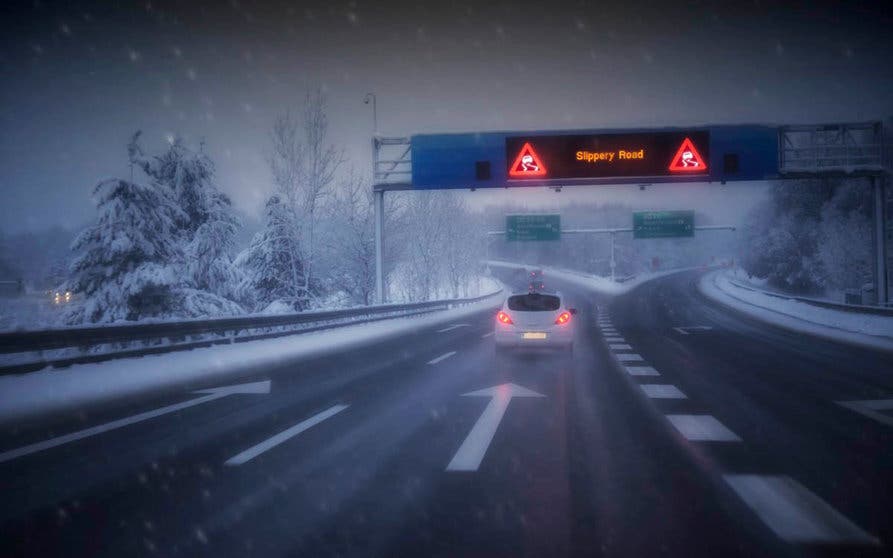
<point>602,285</point>
<point>58,390</point>
<point>870,330</point>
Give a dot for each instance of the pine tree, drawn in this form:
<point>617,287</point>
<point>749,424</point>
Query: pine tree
<point>272,263</point>
<point>208,229</point>
<point>126,268</point>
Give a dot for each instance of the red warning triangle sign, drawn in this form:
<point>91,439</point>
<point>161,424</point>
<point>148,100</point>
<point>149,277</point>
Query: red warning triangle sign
<point>527,164</point>
<point>687,159</point>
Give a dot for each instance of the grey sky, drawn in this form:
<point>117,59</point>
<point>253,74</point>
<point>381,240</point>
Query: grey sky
<point>79,79</point>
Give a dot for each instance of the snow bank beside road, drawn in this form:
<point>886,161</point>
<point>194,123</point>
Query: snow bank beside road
<point>869,330</point>
<point>59,390</point>
<point>595,283</point>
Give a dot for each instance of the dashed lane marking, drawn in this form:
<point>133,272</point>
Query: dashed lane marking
<point>702,428</point>
<point>641,371</point>
<point>687,330</point>
<point>662,391</point>
<point>871,408</point>
<point>488,334</point>
<point>794,513</point>
<point>451,328</point>
<point>629,357</point>
<point>441,357</point>
<point>283,436</point>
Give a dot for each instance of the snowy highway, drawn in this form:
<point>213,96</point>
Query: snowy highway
<point>677,427</point>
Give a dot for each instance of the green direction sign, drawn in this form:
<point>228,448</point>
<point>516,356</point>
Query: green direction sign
<point>533,227</point>
<point>663,224</point>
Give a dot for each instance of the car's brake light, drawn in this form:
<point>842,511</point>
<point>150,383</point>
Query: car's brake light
<point>563,318</point>
<point>504,318</point>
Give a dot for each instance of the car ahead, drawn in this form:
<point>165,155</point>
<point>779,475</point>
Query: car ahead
<point>535,319</point>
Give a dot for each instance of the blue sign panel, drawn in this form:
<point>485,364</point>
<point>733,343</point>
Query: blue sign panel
<point>509,159</point>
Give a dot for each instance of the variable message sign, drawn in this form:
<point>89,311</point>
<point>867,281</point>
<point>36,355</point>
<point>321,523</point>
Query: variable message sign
<point>607,155</point>
<point>532,227</point>
<point>663,224</point>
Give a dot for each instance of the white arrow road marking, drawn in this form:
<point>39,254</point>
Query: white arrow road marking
<point>870,408</point>
<point>283,436</point>
<point>691,329</point>
<point>451,328</point>
<point>444,356</point>
<point>794,513</point>
<point>472,450</point>
<point>211,394</point>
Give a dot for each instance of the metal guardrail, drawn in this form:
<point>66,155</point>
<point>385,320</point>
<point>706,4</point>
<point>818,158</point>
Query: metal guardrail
<point>855,308</point>
<point>226,330</point>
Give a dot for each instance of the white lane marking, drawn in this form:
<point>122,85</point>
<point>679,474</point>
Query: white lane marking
<point>702,428</point>
<point>641,371</point>
<point>870,408</point>
<point>609,330</point>
<point>284,436</point>
<point>210,395</point>
<point>488,334</point>
<point>615,339</point>
<point>451,328</point>
<point>662,391</point>
<point>470,454</point>
<point>619,346</point>
<point>629,357</point>
<point>444,356</point>
<point>691,329</point>
<point>794,513</point>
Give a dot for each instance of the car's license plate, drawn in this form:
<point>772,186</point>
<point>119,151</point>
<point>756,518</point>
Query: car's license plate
<point>534,335</point>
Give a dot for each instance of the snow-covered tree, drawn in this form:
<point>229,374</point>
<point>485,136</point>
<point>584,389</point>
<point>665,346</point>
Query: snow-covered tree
<point>272,263</point>
<point>126,267</point>
<point>350,240</point>
<point>208,226</point>
<point>304,166</point>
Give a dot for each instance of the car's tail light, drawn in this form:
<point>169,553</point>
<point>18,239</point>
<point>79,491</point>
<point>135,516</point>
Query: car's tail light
<point>563,318</point>
<point>504,318</point>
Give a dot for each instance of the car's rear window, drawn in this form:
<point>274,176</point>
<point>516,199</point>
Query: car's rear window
<point>534,302</point>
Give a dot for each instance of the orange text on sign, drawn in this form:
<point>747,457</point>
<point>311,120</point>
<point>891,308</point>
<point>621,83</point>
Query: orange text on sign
<point>595,157</point>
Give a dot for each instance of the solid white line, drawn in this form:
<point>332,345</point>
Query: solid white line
<point>794,513</point>
<point>662,391</point>
<point>641,371</point>
<point>451,328</point>
<point>441,357</point>
<point>702,428</point>
<point>488,334</point>
<point>283,436</point>
<point>212,394</point>
<point>619,346</point>
<point>629,357</point>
